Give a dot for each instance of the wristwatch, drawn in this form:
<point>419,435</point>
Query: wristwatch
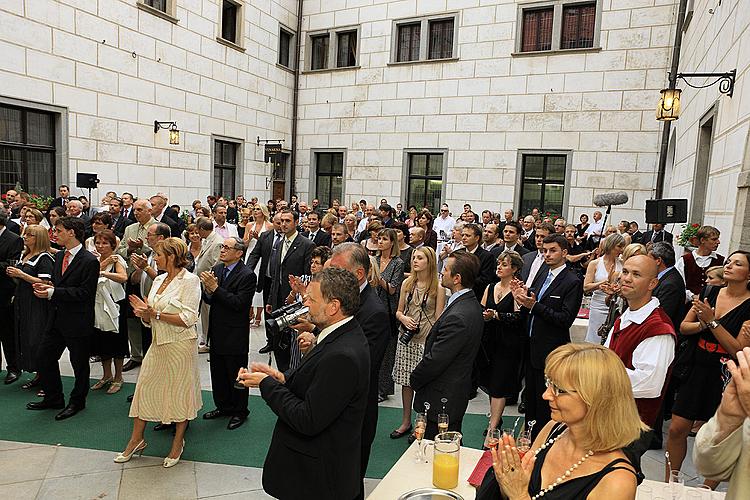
<point>713,324</point>
<point>158,315</point>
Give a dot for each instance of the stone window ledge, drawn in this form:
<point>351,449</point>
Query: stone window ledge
<point>230,44</point>
<point>157,12</point>
<point>423,61</point>
<point>325,70</point>
<point>556,52</point>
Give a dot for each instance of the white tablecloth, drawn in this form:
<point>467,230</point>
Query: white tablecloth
<point>407,475</point>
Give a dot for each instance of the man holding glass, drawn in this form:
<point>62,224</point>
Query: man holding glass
<point>320,405</point>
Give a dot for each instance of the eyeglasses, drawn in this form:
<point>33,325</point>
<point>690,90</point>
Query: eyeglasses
<point>225,247</point>
<point>556,390</point>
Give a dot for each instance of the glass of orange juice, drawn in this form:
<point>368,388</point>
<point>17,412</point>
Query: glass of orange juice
<point>445,460</point>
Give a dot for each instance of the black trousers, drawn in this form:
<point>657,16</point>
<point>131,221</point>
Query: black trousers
<point>536,407</point>
<point>8,337</point>
<point>52,347</point>
<point>267,300</point>
<point>224,368</point>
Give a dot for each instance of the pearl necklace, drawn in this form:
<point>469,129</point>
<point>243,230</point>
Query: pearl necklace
<point>566,474</point>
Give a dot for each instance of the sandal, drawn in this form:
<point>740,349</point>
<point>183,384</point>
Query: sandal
<point>114,387</point>
<point>100,384</point>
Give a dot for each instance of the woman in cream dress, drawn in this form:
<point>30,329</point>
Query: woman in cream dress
<point>168,387</point>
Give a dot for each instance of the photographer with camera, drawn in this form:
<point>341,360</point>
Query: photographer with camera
<point>420,304</point>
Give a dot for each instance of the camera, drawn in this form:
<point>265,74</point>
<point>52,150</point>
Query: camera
<point>406,335</point>
<point>284,317</point>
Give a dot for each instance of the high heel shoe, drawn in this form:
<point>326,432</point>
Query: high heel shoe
<point>171,462</point>
<point>122,457</point>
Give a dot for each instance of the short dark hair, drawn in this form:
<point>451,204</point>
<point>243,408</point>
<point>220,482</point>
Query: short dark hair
<point>466,265</point>
<point>385,208</point>
<point>163,230</point>
<point>514,224</point>
<point>75,224</point>
<point>316,214</point>
<point>339,284</point>
<point>664,251</point>
<point>322,252</point>
<point>548,226</point>
<point>3,217</point>
<point>102,217</point>
<point>400,226</point>
<point>108,236</point>
<point>295,215</point>
<point>559,239</point>
<point>474,228</point>
<point>63,186</point>
<point>204,224</point>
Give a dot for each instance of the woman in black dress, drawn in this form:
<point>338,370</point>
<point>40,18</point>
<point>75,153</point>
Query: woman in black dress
<point>31,313</point>
<point>580,451</point>
<point>502,339</point>
<point>717,324</point>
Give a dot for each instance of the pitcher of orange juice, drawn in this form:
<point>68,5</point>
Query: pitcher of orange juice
<point>445,461</point>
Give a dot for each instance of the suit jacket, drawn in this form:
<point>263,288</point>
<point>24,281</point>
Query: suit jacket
<point>322,238</point>
<point>320,412</point>
<point>449,353</point>
<point>519,249</point>
<point>131,232</point>
<point>72,302</point>
<point>662,236</point>
<point>11,247</point>
<point>637,237</point>
<point>373,319</point>
<point>261,252</point>
<point>296,262</point>
<point>119,225</point>
<point>174,229</point>
<point>13,227</point>
<point>228,325</point>
<point>171,213</point>
<point>530,243</point>
<point>209,254</point>
<point>553,314</point>
<point>487,266</point>
<point>528,260</point>
<point>59,202</point>
<point>671,294</point>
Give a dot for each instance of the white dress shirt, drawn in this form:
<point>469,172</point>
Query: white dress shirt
<point>595,228</point>
<point>330,328</point>
<point>651,359</point>
<point>535,268</point>
<point>445,224</point>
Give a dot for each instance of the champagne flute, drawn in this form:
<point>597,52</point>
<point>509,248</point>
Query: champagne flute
<point>420,425</point>
<point>493,438</point>
<point>442,422</point>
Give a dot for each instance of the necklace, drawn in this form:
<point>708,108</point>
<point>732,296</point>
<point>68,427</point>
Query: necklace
<point>565,475</point>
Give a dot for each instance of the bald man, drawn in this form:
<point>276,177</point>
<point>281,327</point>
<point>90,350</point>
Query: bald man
<point>643,337</point>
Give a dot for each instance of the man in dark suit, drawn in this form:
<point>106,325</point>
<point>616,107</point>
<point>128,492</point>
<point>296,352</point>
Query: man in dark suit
<point>317,235</point>
<point>158,212</point>
<point>671,294</point>
<point>533,262</point>
<point>656,234</point>
<point>11,246</point>
<point>320,405</point>
<point>119,222</point>
<point>71,323</point>
<point>60,201</point>
<point>229,289</point>
<point>127,206</point>
<point>635,235</point>
<point>267,241</point>
<point>445,371</point>
<point>471,237</point>
<point>527,235</point>
<point>511,241</point>
<point>290,257</point>
<point>550,306</point>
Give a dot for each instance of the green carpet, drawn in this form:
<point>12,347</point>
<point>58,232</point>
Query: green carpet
<point>104,425</point>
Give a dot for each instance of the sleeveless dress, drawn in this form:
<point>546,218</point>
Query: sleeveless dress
<point>573,489</point>
<point>258,297</point>
<point>700,394</point>
<point>503,343</point>
<point>31,312</point>
<point>598,308</point>
<point>408,356</point>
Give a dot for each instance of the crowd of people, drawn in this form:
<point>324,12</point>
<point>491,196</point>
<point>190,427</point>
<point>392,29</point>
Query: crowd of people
<point>442,305</point>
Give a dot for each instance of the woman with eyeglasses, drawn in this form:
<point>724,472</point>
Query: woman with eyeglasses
<point>579,453</point>
<point>31,312</point>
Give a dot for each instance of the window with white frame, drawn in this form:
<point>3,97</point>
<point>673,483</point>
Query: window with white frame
<point>165,9</point>
<point>286,48</point>
<point>231,22</point>
<point>429,38</point>
<point>334,48</point>
<point>558,25</point>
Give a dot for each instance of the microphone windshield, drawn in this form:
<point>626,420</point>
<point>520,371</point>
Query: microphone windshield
<point>607,199</point>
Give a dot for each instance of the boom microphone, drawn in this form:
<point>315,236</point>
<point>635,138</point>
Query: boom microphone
<point>609,199</point>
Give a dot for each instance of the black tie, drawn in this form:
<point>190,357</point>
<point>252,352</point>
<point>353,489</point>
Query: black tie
<point>224,277</point>
<point>275,254</point>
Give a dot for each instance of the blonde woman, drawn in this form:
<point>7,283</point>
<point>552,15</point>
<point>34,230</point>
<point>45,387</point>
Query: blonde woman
<point>253,230</point>
<point>601,274</point>
<point>594,418</point>
<point>633,249</point>
<point>420,304</point>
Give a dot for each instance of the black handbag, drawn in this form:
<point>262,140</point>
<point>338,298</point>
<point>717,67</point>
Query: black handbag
<point>684,359</point>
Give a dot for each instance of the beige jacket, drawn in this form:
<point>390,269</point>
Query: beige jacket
<point>727,460</point>
<point>134,231</point>
<point>209,254</point>
<point>182,296</point>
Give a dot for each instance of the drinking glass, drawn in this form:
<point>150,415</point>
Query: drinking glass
<point>677,484</point>
<point>442,422</point>
<point>420,424</point>
<point>493,438</point>
<point>523,443</point>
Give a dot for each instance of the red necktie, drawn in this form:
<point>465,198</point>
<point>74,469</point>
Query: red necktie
<point>66,261</point>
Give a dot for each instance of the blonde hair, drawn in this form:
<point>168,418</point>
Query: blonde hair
<point>716,271</point>
<point>410,282</point>
<point>41,239</point>
<point>611,242</point>
<point>598,377</point>
<point>633,249</point>
<point>264,210</point>
<point>373,275</point>
<point>176,248</point>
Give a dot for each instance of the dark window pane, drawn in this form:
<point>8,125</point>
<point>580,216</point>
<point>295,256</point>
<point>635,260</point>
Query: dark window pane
<point>556,168</point>
<point>425,184</point>
<point>229,12</point>
<point>408,42</point>
<point>543,183</point>
<point>157,4</point>
<point>39,129</point>
<point>11,124</point>
<point>337,164</point>
<point>230,153</point>
<point>441,39</point>
<point>578,26</point>
<point>285,42</point>
<point>435,165</point>
<point>319,58</point>
<point>534,167</point>
<point>324,163</point>
<point>537,30</point>
<point>225,168</point>
<point>417,191</point>
<point>329,177</point>
<point>553,198</point>
<point>41,166</point>
<point>11,164</point>
<point>432,197</point>
<point>418,163</point>
<point>347,49</point>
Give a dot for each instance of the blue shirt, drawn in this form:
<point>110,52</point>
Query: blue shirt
<point>456,295</point>
<point>658,276</point>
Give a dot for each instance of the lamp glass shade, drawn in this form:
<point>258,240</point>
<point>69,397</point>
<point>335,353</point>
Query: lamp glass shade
<point>174,135</point>
<point>669,105</point>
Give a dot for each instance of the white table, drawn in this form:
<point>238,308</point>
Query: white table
<point>407,475</point>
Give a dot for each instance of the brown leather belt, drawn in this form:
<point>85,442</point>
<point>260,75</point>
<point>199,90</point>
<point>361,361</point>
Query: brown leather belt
<point>711,347</point>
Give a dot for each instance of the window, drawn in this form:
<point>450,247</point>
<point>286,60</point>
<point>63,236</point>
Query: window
<point>285,48</point>
<point>578,26</point>
<point>407,48</point>
<point>542,183</point>
<point>425,39</point>
<point>229,21</point>
<point>319,51</point>
<point>225,168</point>
<point>165,9</point>
<point>329,176</point>
<point>346,54</point>
<point>332,49</point>
<point>537,30</point>
<point>425,182</point>
<point>160,5</point>
<point>27,150</point>
<point>553,25</point>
